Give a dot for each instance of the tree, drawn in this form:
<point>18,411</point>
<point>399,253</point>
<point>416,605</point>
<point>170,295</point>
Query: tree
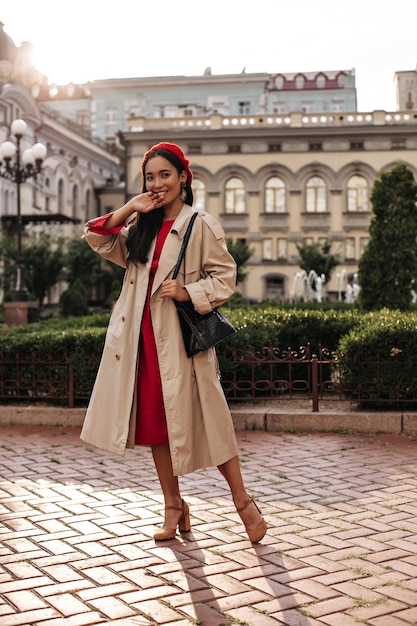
<point>43,262</point>
<point>316,256</point>
<point>388,266</point>
<point>241,253</point>
<point>8,256</point>
<point>84,265</point>
<point>73,301</point>
<point>81,262</point>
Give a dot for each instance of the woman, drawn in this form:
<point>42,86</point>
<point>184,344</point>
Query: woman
<point>147,391</point>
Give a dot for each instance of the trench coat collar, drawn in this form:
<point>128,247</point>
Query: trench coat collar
<point>172,247</point>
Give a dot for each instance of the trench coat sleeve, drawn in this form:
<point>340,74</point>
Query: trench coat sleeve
<point>110,245</point>
<point>218,268</point>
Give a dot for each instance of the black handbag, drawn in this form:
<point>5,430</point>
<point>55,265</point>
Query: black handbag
<point>200,331</point>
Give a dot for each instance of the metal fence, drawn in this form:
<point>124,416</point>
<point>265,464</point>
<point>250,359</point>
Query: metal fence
<point>251,375</point>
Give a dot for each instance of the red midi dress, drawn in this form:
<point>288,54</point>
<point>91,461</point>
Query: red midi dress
<point>151,426</point>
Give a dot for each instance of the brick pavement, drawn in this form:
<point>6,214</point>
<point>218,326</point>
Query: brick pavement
<point>76,527</point>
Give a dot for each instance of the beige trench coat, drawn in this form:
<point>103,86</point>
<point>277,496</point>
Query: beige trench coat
<point>200,427</point>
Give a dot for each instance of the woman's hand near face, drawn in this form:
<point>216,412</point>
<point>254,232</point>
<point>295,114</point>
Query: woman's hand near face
<point>142,203</point>
<point>146,202</point>
<point>172,289</point>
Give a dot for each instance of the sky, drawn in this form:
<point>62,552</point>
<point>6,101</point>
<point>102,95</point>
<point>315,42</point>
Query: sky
<point>86,40</point>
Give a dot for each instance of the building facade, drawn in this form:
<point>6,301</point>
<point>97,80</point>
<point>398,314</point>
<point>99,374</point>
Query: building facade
<point>104,107</point>
<point>80,176</point>
<point>281,181</point>
<point>406,90</point>
<point>281,160</point>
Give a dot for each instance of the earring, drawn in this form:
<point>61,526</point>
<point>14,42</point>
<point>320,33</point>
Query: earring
<point>183,192</point>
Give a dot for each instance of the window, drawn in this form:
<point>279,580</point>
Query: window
<point>81,118</point>
<point>349,248</point>
<point>74,201</point>
<point>164,111</point>
<point>299,82</point>
<point>244,108</point>
<point>235,196</point>
<point>341,80</point>
<point>274,287</point>
<point>363,242</point>
<point>320,81</point>
<point>275,195</point>
<point>7,207</point>
<point>357,194</point>
<point>274,147</point>
<point>89,205</point>
<point>337,106</point>
<point>307,107</point>
<point>282,252</point>
<point>194,149</point>
<point>61,206</point>
<point>316,195</point>
<point>234,148</point>
<point>199,191</point>
<point>111,115</point>
<point>279,82</point>
<point>278,108</point>
<point>267,249</point>
<point>218,104</point>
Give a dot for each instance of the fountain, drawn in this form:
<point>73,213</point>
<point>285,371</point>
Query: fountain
<point>307,288</point>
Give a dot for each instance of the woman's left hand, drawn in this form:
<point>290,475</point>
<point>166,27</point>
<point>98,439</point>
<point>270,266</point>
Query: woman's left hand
<point>172,289</point>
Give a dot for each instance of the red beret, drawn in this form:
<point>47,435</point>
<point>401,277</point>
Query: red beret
<point>170,147</point>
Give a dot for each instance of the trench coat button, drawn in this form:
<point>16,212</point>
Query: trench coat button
<point>118,357</point>
<point>123,318</point>
<point>131,281</point>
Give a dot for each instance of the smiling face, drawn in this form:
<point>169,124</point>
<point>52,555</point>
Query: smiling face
<point>163,177</point>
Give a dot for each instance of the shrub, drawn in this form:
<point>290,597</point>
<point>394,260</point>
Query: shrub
<point>379,359</point>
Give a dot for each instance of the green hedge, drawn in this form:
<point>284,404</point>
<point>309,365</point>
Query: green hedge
<point>81,339</point>
<point>379,357</point>
<point>377,348</point>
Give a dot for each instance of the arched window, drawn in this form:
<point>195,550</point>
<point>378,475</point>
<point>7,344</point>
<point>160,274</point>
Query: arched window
<point>275,195</point>
<point>320,81</point>
<point>88,205</point>
<point>316,201</point>
<point>7,208</point>
<point>341,80</point>
<point>61,208</point>
<point>357,194</point>
<point>74,201</point>
<point>234,196</point>
<point>299,81</point>
<point>279,82</point>
<point>199,192</point>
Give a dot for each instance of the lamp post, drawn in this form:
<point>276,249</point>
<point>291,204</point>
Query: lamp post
<point>18,168</point>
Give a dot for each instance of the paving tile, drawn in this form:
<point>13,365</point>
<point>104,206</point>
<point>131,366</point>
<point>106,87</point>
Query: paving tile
<point>77,524</point>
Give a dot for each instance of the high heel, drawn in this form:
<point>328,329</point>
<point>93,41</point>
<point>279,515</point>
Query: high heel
<point>257,533</point>
<point>184,524</point>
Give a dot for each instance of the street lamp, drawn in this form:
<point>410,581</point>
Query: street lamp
<point>18,168</point>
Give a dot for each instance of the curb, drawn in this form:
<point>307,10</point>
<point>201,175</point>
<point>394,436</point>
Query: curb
<point>247,418</point>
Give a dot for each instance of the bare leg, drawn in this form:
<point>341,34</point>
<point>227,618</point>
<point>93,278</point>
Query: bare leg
<point>169,485</point>
<point>250,515</point>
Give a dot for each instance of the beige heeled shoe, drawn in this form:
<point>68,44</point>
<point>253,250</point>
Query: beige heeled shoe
<point>184,524</point>
<point>255,534</point>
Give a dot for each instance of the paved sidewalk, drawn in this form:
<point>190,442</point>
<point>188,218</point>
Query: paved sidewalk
<point>76,528</point>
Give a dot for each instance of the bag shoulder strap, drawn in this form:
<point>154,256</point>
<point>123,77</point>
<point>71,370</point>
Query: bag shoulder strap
<point>184,245</point>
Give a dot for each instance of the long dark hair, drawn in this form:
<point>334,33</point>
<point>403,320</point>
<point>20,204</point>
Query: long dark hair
<point>139,240</point>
